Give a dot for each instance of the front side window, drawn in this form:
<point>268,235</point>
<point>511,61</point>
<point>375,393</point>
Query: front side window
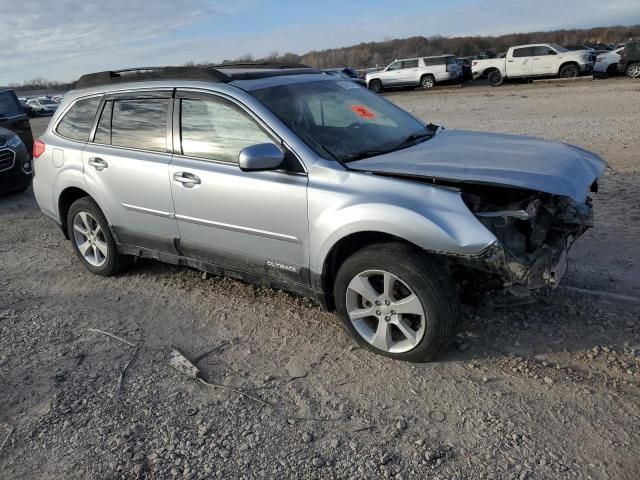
<point>394,66</point>
<point>217,130</point>
<point>543,51</point>
<point>140,123</point>
<point>103,129</point>
<point>77,122</point>
<point>341,120</point>
<point>410,63</point>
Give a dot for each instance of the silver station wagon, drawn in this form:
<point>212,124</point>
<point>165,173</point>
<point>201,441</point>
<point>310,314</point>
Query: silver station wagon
<point>286,177</point>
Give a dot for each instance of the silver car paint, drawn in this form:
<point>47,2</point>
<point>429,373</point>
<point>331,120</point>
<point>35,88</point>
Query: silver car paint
<point>284,218</point>
<point>499,159</point>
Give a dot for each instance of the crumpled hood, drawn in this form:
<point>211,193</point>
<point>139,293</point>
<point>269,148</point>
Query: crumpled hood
<point>498,159</point>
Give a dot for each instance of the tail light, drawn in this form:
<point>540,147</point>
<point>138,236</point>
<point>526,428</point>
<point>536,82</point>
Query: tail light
<point>38,148</point>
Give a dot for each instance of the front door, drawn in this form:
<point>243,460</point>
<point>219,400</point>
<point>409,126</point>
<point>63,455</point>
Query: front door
<point>392,75</point>
<point>126,165</point>
<point>545,61</point>
<point>253,222</point>
<point>519,65</point>
<point>409,72</point>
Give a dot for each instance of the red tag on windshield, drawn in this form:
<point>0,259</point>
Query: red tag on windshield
<point>363,111</point>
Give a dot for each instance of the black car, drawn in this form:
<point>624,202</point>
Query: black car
<point>16,143</point>
<point>629,62</point>
<point>13,117</point>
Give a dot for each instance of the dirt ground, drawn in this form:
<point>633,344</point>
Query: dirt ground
<point>543,391</point>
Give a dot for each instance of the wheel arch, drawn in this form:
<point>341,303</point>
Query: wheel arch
<point>569,62</point>
<point>341,250</point>
<point>65,200</point>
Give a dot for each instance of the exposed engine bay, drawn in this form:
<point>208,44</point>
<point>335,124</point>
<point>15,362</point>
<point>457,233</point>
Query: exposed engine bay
<point>534,230</point>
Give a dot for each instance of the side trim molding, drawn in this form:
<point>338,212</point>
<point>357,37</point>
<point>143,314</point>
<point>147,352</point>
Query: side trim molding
<point>149,211</point>
<point>238,228</point>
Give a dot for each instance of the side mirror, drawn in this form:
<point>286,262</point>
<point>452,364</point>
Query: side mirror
<point>552,52</point>
<point>260,157</point>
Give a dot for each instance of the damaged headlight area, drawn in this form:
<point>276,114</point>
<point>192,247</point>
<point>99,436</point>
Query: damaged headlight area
<point>534,232</point>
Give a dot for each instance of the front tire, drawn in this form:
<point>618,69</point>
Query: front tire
<point>375,86</point>
<point>92,240</point>
<point>569,71</point>
<point>395,300</point>
<point>633,70</point>
<point>495,78</point>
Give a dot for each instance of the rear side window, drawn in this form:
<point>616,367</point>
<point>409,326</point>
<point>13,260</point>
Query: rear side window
<point>9,105</point>
<point>523,52</point>
<point>77,122</point>
<point>140,123</point>
<point>216,130</point>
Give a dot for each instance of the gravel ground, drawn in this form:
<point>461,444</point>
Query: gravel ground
<point>549,390</point>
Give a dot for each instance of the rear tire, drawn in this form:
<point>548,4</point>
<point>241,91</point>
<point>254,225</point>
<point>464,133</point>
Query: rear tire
<point>375,86</point>
<point>633,70</point>
<point>92,240</point>
<point>428,81</point>
<point>569,71</point>
<point>495,78</point>
<point>409,308</point>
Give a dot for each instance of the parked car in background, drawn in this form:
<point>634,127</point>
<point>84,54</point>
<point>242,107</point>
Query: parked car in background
<point>14,118</point>
<point>42,106</point>
<point>629,62</point>
<point>425,72</point>
<point>340,74</point>
<point>57,98</point>
<point>15,163</point>
<point>538,60</point>
<point>607,63</point>
<point>27,109</point>
<point>293,179</point>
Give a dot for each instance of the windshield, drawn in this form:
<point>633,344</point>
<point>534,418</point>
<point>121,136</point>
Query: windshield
<point>9,106</point>
<point>341,119</point>
<point>560,48</point>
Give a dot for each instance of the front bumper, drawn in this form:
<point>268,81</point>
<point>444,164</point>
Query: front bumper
<point>15,169</point>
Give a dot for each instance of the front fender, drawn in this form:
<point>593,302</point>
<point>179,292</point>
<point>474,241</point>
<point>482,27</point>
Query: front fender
<point>430,217</point>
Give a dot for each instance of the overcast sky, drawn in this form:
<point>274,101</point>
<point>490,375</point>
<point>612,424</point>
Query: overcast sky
<point>61,39</point>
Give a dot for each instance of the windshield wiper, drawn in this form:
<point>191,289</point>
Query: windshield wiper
<point>414,139</point>
<point>364,154</point>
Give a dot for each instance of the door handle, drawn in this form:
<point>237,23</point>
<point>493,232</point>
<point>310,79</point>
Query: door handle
<point>98,163</point>
<point>510,61</point>
<point>187,179</point>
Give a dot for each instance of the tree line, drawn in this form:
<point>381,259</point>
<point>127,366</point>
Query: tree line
<point>372,54</point>
<point>377,54</point>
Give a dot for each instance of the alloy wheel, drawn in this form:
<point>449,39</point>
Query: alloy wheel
<point>385,311</point>
<point>90,239</point>
<point>634,70</point>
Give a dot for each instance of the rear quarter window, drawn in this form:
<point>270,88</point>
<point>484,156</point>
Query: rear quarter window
<point>77,122</point>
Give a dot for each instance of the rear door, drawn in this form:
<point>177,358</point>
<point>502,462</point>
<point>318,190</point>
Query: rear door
<point>519,65</point>
<point>252,222</point>
<point>126,164</point>
<point>545,61</point>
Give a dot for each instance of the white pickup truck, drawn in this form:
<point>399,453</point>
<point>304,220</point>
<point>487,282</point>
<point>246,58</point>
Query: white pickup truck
<point>538,60</point>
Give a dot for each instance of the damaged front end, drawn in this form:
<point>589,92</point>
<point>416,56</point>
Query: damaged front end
<point>534,232</point>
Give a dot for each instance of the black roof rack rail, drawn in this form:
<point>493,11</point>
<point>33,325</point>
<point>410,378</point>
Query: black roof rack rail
<point>264,65</point>
<point>205,73</point>
<point>151,73</point>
